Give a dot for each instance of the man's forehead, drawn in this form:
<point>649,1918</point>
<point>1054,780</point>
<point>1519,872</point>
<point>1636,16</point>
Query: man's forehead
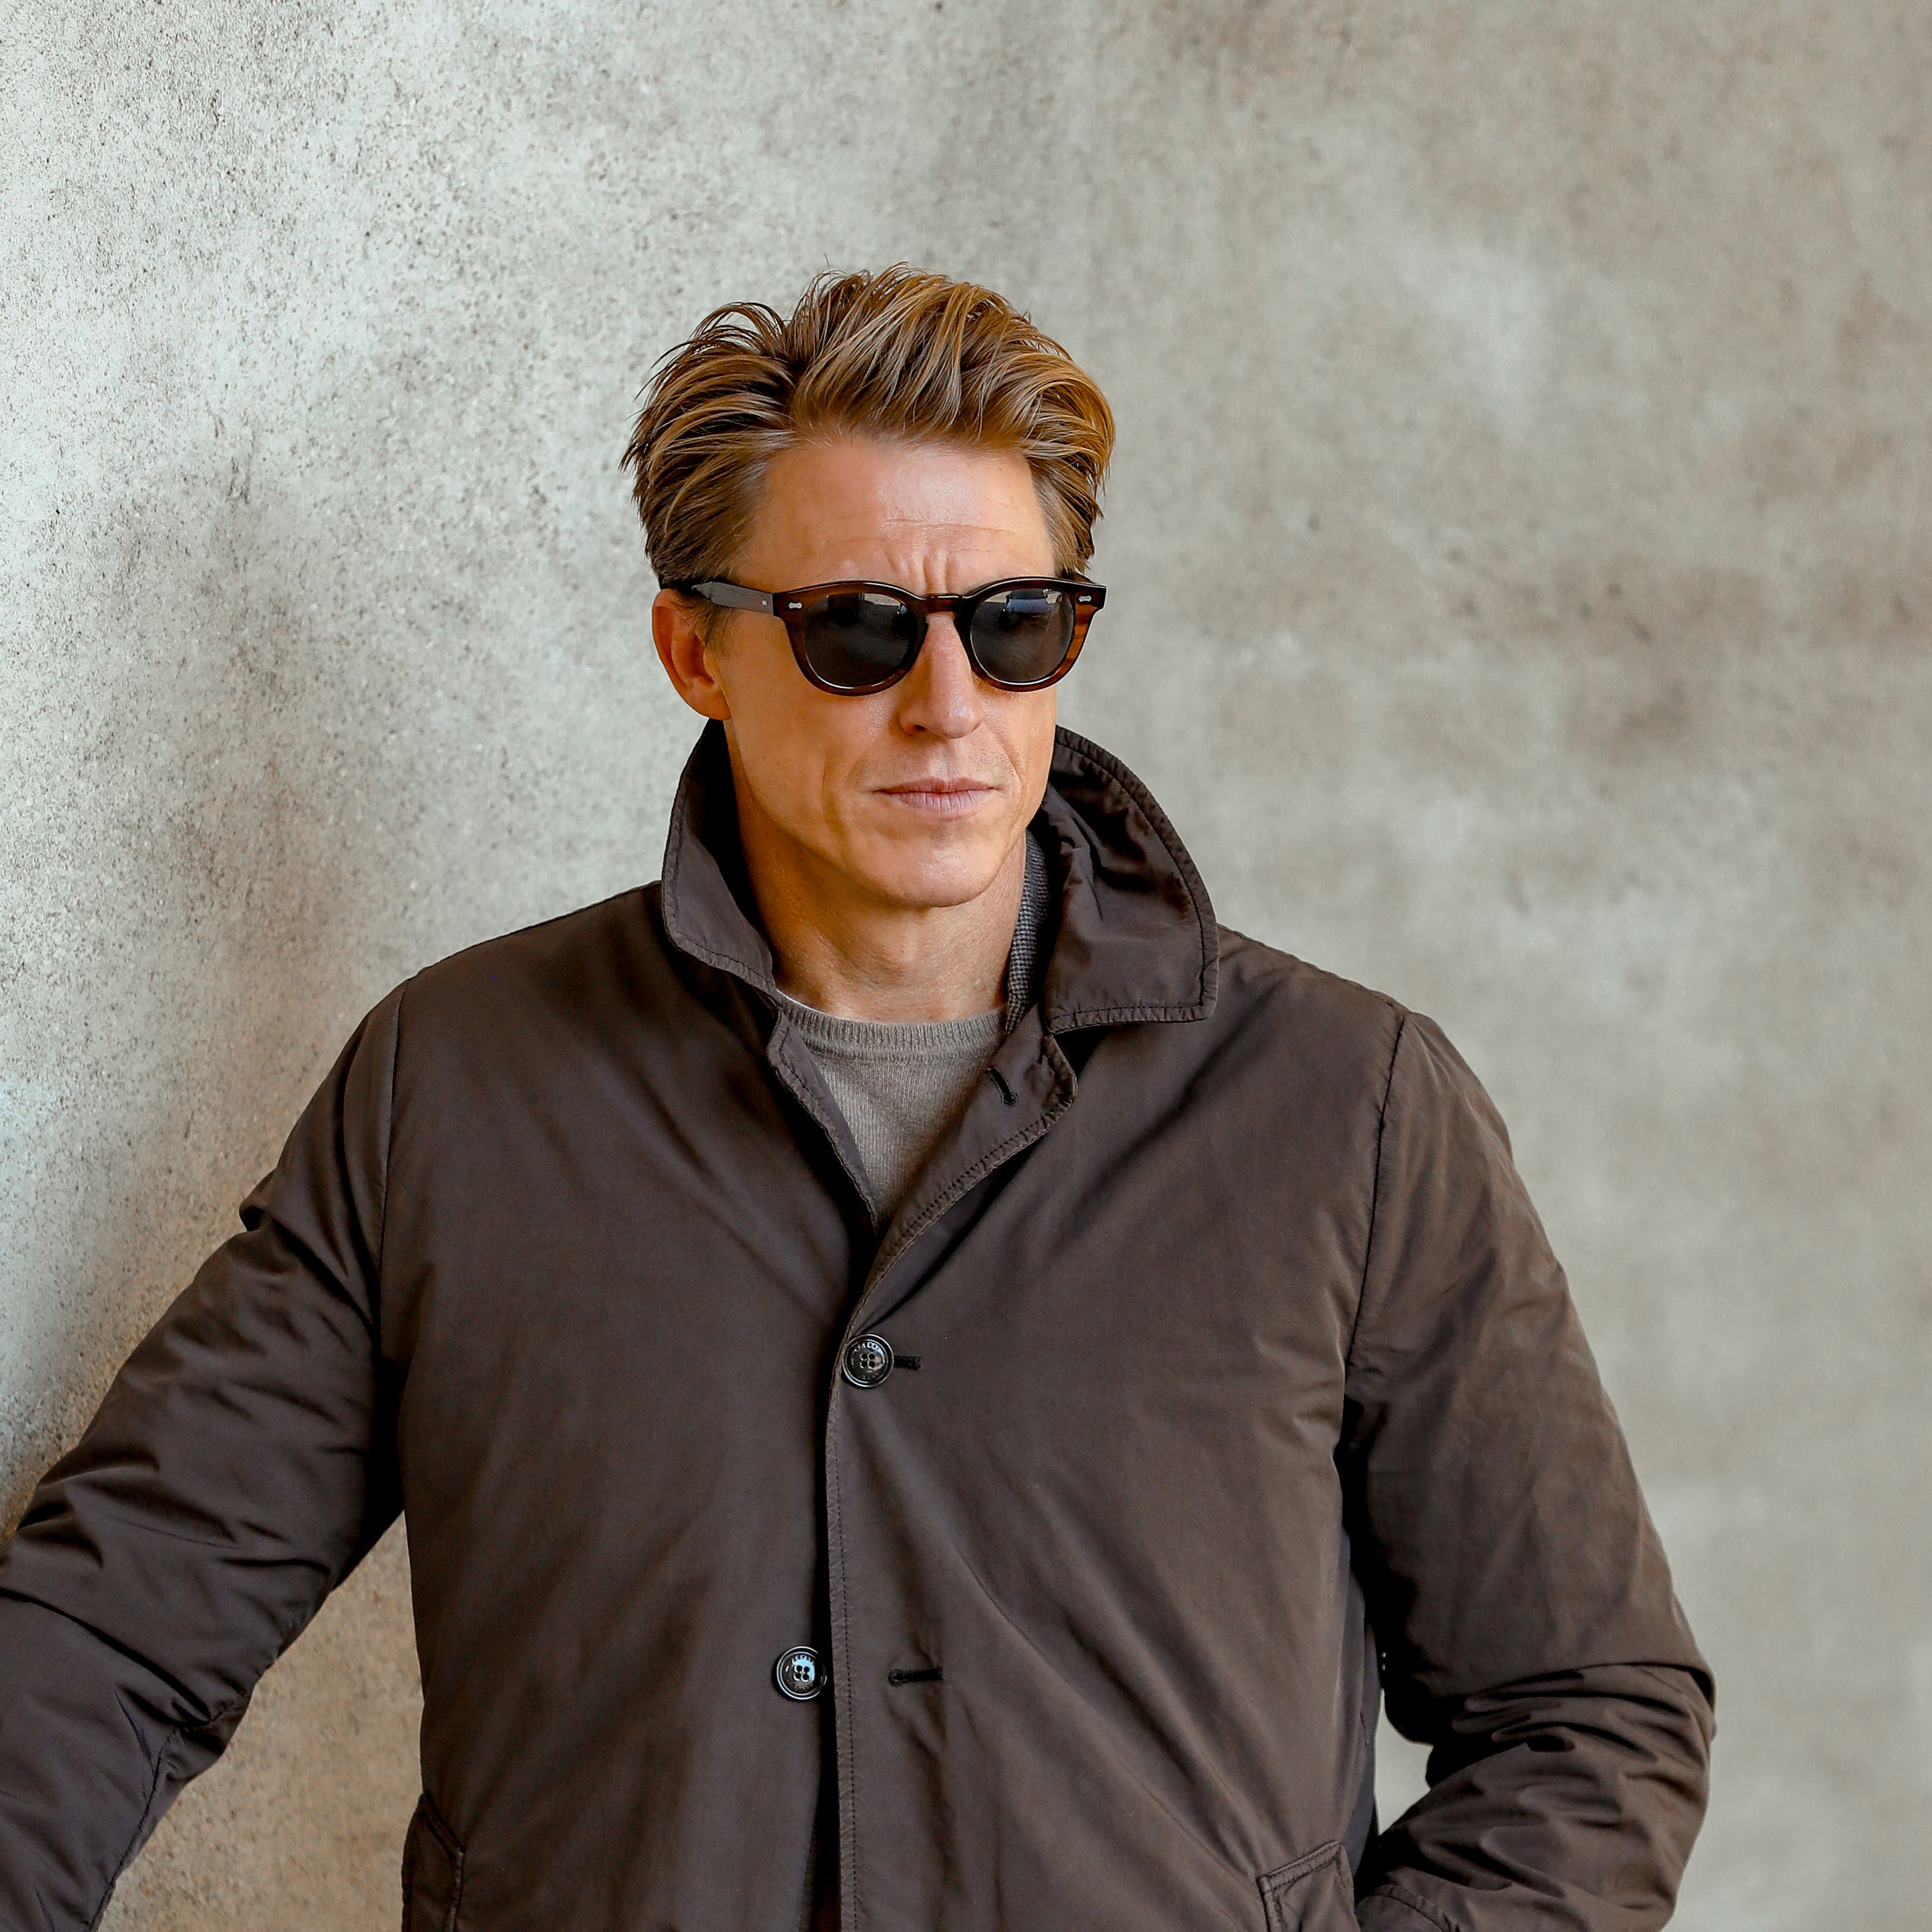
<point>837,498</point>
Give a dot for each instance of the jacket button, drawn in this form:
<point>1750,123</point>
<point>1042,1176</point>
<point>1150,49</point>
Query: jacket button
<point>800,1675</point>
<point>868,1361</point>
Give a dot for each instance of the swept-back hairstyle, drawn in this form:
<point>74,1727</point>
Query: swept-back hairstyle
<point>898,354</point>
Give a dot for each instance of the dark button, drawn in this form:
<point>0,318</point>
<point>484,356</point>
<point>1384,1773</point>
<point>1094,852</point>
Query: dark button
<point>800,1675</point>
<point>868,1361</point>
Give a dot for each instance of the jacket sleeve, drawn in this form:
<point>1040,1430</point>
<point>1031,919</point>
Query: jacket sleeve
<point>1521,1603</point>
<point>240,1464</point>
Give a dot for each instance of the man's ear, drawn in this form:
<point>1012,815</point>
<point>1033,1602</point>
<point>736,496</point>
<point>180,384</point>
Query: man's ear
<point>683,653</point>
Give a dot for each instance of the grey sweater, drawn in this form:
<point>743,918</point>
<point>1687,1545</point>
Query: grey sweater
<point>900,1084</point>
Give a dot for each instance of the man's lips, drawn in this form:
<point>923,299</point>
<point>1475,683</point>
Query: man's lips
<point>943,798</point>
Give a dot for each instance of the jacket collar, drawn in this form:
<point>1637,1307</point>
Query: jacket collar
<point>1135,937</point>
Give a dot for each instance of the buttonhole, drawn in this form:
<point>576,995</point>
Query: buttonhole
<point>999,1080</point>
<point>934,1675</point>
<point>906,1362</point>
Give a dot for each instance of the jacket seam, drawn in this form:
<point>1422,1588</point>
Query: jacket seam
<point>753,974</point>
<point>1662,1673</point>
<point>1070,1019</point>
<point>965,1182</point>
<point>1283,1877</point>
<point>389,1139</point>
<point>453,1848</point>
<point>1411,1901</point>
<point>168,1743</point>
<point>842,1687</point>
<point>808,1101</point>
<point>1375,1190</point>
<point>961,1187</point>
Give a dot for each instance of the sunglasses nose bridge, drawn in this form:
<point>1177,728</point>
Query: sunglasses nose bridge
<point>949,611</point>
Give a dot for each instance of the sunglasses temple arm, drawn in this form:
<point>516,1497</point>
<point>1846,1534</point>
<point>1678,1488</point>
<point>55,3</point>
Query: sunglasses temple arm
<point>734,596</point>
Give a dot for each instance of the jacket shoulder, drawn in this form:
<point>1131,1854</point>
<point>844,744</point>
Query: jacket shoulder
<point>1260,985</point>
<point>581,961</point>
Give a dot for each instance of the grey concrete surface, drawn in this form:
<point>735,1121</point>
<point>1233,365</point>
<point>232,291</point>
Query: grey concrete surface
<point>1520,596</point>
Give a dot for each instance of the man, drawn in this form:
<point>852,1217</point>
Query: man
<point>930,1385</point>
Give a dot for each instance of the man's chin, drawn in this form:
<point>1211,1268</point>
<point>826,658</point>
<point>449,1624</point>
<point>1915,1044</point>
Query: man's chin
<point>925,882</point>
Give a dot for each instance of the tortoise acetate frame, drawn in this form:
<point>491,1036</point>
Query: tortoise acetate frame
<point>855,637</point>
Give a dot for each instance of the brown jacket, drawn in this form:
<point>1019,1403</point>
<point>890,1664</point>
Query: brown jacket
<point>1234,1383</point>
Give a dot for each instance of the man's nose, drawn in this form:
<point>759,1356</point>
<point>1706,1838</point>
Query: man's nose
<point>939,694</point>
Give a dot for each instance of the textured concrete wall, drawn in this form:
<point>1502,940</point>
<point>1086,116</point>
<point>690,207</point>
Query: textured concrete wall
<point>1519,597</point>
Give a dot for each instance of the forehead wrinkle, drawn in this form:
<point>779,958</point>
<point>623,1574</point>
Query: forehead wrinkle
<point>934,556</point>
<point>918,555</point>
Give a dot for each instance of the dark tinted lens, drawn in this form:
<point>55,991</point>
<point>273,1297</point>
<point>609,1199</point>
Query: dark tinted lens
<point>859,637</point>
<point>1022,637</point>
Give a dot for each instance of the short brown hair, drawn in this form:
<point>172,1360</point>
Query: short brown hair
<point>899,353</point>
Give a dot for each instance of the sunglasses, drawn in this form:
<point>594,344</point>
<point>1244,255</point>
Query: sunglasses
<point>1021,634</point>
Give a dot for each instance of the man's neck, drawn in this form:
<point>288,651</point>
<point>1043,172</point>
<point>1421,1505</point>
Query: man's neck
<point>866,959</point>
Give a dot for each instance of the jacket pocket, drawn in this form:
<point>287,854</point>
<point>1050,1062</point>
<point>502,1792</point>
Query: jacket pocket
<point>1315,1894</point>
<point>432,1872</point>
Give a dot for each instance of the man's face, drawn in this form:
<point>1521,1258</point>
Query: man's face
<point>916,796</point>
